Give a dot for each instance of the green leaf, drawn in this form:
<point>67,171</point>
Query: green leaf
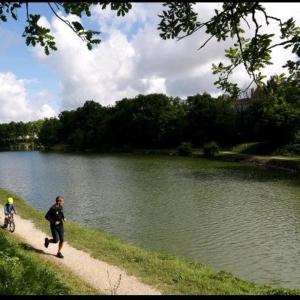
<point>3,18</point>
<point>77,26</point>
<point>46,50</point>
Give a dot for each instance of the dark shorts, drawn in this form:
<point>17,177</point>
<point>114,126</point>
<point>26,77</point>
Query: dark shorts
<point>57,232</point>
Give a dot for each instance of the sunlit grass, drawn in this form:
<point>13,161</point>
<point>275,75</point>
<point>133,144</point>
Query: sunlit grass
<point>168,273</point>
<point>24,273</point>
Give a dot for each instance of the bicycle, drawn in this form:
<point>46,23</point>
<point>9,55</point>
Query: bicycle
<point>11,223</point>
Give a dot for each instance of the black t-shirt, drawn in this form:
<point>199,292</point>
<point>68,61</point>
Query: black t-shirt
<point>55,213</point>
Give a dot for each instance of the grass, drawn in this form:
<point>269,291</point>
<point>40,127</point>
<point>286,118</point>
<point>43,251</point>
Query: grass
<point>263,149</point>
<point>260,153</point>
<point>24,273</point>
<point>170,274</point>
<point>247,148</point>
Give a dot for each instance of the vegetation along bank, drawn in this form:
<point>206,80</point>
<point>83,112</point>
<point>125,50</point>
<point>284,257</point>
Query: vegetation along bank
<point>269,115</point>
<point>169,274</point>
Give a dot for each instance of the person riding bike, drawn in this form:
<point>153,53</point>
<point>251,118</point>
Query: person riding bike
<point>9,208</point>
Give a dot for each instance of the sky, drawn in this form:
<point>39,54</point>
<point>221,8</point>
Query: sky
<point>131,59</point>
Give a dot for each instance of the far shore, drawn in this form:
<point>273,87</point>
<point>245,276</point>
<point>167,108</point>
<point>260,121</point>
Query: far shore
<point>277,162</point>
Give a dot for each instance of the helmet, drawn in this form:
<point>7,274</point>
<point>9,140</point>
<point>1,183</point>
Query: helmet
<point>10,200</point>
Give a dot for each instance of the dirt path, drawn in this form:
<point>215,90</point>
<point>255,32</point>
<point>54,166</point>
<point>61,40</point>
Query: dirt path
<point>93,271</point>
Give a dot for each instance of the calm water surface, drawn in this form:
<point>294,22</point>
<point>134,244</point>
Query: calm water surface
<point>232,217</point>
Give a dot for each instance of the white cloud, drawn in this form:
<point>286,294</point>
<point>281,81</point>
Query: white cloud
<point>119,66</point>
<point>39,103</point>
<point>134,20</point>
<point>132,58</point>
<point>14,102</point>
<point>154,85</point>
<point>46,111</point>
<point>90,75</point>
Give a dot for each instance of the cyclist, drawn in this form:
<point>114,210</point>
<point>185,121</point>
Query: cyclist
<point>56,217</point>
<point>9,208</point>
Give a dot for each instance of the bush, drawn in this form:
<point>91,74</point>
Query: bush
<point>297,137</point>
<point>127,148</point>
<point>258,148</point>
<point>122,149</point>
<point>185,149</point>
<point>211,149</point>
<point>290,149</point>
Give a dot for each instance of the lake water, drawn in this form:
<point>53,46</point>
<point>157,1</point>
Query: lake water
<point>233,217</point>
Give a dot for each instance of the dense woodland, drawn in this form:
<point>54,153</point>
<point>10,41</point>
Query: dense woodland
<point>156,121</point>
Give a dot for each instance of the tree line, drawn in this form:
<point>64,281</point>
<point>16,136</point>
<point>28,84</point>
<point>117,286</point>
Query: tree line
<point>145,121</point>
<point>20,135</point>
<point>157,121</point>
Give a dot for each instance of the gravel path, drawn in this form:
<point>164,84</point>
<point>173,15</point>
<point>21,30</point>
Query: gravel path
<point>98,274</point>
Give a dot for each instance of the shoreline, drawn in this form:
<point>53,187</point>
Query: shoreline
<point>282,163</point>
<point>167,273</point>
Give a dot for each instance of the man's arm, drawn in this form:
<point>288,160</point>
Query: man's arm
<point>47,216</point>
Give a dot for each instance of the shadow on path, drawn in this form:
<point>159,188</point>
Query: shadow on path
<point>31,248</point>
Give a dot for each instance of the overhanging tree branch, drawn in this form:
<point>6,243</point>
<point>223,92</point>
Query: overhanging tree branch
<point>27,12</point>
<point>179,21</point>
<point>66,22</point>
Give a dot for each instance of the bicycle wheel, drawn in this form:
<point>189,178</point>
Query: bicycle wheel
<point>12,226</point>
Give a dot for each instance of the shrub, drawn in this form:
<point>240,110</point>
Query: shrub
<point>185,149</point>
<point>290,149</point>
<point>127,148</point>
<point>211,149</point>
<point>297,137</point>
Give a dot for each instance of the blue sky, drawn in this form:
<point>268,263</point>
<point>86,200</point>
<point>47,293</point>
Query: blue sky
<point>131,59</point>
<point>17,58</point>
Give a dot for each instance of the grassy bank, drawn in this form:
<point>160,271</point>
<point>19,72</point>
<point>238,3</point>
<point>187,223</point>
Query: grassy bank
<point>263,154</point>
<point>276,162</point>
<point>168,273</point>
<point>22,272</point>
<point>279,162</point>
<point>256,153</point>
<point>241,153</point>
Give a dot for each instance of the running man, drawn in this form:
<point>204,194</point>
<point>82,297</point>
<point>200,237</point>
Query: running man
<point>56,217</point>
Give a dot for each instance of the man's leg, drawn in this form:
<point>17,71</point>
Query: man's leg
<point>55,237</point>
<point>60,231</point>
<point>60,245</point>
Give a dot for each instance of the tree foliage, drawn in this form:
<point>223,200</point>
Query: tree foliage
<point>272,115</point>
<point>211,149</point>
<point>179,20</point>
<point>14,133</point>
<point>277,110</point>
